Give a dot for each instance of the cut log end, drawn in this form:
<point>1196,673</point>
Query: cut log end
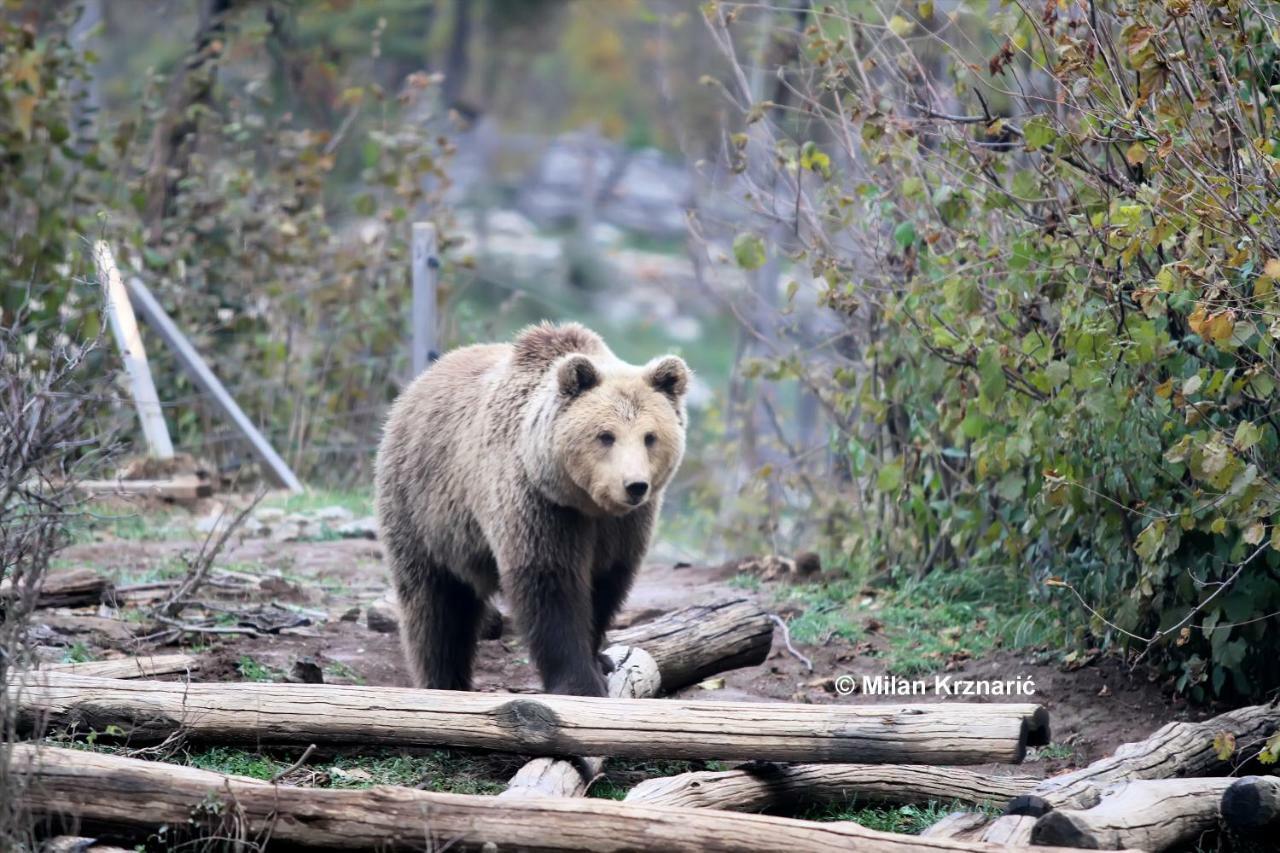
<point>1252,803</point>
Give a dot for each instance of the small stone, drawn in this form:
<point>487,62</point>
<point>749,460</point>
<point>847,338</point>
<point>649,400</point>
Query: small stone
<point>380,617</point>
<point>351,615</point>
<point>333,514</point>
<point>359,528</point>
<point>269,514</point>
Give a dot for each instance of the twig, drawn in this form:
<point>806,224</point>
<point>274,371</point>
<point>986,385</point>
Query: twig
<point>786,638</point>
<point>306,753</point>
<point>203,562</point>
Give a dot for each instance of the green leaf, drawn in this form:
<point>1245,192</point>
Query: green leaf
<point>1038,133</point>
<point>813,159</point>
<point>905,234</point>
<point>749,251</point>
<point>889,478</point>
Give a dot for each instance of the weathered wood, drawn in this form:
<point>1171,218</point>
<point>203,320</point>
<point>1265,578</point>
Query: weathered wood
<point>1252,803</point>
<point>693,643</point>
<point>208,382</point>
<point>1150,815</point>
<point>183,487</point>
<point>635,676</point>
<point>425,265</point>
<point>1176,750</point>
<point>74,588</point>
<point>124,327</point>
<point>771,787</point>
<point>960,826</point>
<point>112,796</point>
<point>147,666</point>
<point>542,725</point>
<point>1010,831</point>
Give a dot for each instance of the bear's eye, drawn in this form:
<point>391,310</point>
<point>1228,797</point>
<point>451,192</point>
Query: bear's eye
<point>606,438</point>
<point>650,439</point>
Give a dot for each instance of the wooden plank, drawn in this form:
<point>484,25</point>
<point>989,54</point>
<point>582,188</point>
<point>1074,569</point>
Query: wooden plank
<point>426,264</point>
<point>113,796</point>
<point>248,712</point>
<point>184,487</point>
<point>206,381</point>
<point>143,666</point>
<point>124,327</point>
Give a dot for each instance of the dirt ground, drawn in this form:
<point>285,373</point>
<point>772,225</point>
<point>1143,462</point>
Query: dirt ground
<point>1093,708</point>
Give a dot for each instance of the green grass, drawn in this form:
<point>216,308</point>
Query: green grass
<point>339,670</point>
<point>908,820</point>
<point>441,770</point>
<point>78,652</point>
<point>152,526</point>
<point>358,501</point>
<point>252,670</point>
<point>1056,751</point>
<point>926,622</point>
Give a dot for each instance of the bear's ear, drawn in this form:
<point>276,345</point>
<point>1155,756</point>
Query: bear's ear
<point>670,375</point>
<point>577,375</point>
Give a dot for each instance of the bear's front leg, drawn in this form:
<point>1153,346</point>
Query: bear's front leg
<point>552,603</point>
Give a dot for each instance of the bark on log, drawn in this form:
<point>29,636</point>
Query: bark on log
<point>960,826</point>
<point>696,642</point>
<point>74,588</point>
<point>1177,750</point>
<point>139,667</point>
<point>1010,831</point>
<point>111,796</point>
<point>543,725</point>
<point>767,787</point>
<point>1252,803</point>
<point>635,676</point>
<point>1151,815</point>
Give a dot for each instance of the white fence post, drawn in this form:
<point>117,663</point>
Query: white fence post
<point>426,265</point>
<point>124,326</point>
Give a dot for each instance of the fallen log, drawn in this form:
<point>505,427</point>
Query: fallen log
<point>543,724</point>
<point>74,588</point>
<point>1150,815</point>
<point>147,666</point>
<point>123,798</point>
<point>960,826</point>
<point>693,643</point>
<point>635,676</point>
<point>763,786</point>
<point>1252,803</point>
<point>181,487</point>
<point>1176,750</point>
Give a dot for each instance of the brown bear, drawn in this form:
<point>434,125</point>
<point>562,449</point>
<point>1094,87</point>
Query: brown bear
<point>538,467</point>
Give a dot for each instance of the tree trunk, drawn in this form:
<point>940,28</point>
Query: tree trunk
<point>771,787</point>
<point>74,588</point>
<point>111,796</point>
<point>1252,803</point>
<point>255,713</point>
<point>1176,750</point>
<point>1151,815</point>
<point>696,642</point>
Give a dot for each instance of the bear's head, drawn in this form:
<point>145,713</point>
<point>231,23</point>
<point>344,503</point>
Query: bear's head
<point>615,434</point>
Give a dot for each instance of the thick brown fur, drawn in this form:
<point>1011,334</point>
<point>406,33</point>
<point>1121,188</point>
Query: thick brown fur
<point>536,467</point>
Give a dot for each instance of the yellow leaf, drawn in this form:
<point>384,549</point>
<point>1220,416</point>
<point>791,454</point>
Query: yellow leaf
<point>712,684</point>
<point>1136,154</point>
<point>1164,389</point>
<point>1197,318</point>
<point>24,108</point>
<point>900,26</point>
<point>1254,532</point>
<point>1224,743</point>
<point>1221,325</point>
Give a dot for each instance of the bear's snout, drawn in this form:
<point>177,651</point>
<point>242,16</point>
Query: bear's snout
<point>636,490</point>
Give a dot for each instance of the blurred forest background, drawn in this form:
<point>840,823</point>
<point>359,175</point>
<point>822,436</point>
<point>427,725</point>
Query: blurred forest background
<point>980,296</point>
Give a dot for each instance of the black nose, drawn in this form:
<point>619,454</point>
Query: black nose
<point>637,490</point>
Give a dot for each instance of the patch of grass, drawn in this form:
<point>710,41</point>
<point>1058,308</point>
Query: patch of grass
<point>157,525</point>
<point>239,762</point>
<point>907,820</point>
<point>252,670</point>
<point>745,581</point>
<point>338,669</point>
<point>358,501</point>
<point>1056,751</point>
<point>78,652</point>
<point>926,622</point>
<point>442,770</point>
